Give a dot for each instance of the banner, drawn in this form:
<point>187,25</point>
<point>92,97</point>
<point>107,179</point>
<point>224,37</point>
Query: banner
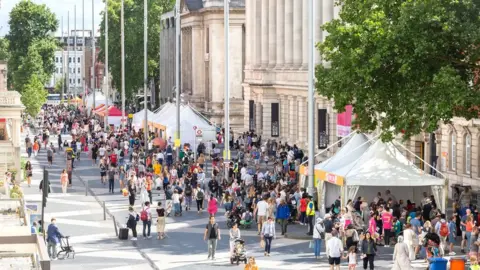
<point>153,96</point>
<point>251,115</point>
<point>344,122</point>
<point>322,128</point>
<point>275,120</point>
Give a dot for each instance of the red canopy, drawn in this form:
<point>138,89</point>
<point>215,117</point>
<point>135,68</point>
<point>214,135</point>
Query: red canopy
<point>112,111</point>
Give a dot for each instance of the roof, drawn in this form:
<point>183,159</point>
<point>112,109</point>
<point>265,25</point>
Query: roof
<point>194,5</point>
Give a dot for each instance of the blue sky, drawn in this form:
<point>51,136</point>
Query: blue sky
<point>60,8</point>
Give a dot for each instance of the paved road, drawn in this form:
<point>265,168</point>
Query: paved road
<point>98,247</point>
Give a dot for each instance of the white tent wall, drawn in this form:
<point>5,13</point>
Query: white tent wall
<point>115,120</point>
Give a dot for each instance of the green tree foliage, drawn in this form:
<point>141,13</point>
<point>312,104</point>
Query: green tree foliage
<point>34,95</point>
<point>133,41</point>
<point>59,86</point>
<point>31,25</point>
<point>4,49</point>
<point>406,64</point>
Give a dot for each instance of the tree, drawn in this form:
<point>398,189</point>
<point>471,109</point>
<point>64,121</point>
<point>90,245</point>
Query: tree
<point>403,64</point>
<point>34,95</point>
<point>31,24</point>
<point>133,41</point>
<point>30,65</point>
<point>4,49</point>
<point>59,85</point>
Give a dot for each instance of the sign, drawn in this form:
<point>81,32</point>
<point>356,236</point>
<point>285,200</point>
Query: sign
<point>275,120</point>
<point>198,133</point>
<point>177,143</point>
<point>32,207</point>
<point>344,122</point>
<point>130,115</point>
<point>332,178</point>
<point>251,115</point>
<point>194,127</point>
<point>322,129</point>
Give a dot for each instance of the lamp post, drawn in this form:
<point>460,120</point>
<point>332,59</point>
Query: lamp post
<point>226,142</point>
<point>107,127</point>
<point>311,98</point>
<point>93,53</point>
<point>177,71</point>
<point>145,70</point>
<point>122,37</point>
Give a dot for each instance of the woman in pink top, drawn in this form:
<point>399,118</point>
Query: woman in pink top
<point>372,224</point>
<point>212,206</point>
<point>387,221</point>
<point>64,180</point>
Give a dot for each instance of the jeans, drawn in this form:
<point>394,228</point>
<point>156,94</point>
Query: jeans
<point>52,249</point>
<point>268,243</point>
<point>368,260</point>
<point>149,195</point>
<point>212,247</point>
<point>111,184</point>
<point>131,199</point>
<point>176,207</point>
<point>310,224</point>
<point>469,239</point>
<point>316,247</point>
<point>199,204</point>
<point>134,231</point>
<point>283,225</point>
<point>303,217</point>
<point>147,224</point>
<point>386,235</point>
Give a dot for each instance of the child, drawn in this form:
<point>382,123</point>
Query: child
<point>352,258</point>
<point>474,264</point>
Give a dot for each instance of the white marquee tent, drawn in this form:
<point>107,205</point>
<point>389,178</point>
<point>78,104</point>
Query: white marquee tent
<point>139,117</point>
<point>383,167</point>
<point>99,99</point>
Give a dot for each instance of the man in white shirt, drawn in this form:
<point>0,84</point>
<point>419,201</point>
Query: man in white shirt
<point>101,152</point>
<point>261,212</point>
<point>160,158</point>
<point>334,249</point>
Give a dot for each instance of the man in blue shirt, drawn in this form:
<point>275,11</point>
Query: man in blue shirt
<point>53,239</point>
<point>417,227</point>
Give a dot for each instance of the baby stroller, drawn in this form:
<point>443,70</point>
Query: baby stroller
<point>239,252</point>
<point>66,249</point>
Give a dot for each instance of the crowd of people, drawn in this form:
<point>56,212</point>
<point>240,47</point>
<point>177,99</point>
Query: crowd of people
<point>260,185</point>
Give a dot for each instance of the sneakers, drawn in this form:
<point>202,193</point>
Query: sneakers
<point>133,238</point>
<point>208,258</point>
<point>386,246</point>
<point>213,258</point>
<point>452,253</point>
<point>149,236</point>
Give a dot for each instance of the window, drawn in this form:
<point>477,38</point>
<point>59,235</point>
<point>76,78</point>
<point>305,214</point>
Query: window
<point>61,59</point>
<point>73,70</point>
<point>61,70</point>
<point>56,70</point>
<point>56,59</point>
<point>70,81</point>
<point>69,59</point>
<point>207,41</point>
<point>78,81</point>
<point>78,70</point>
<point>78,60</point>
<point>468,153</point>
<point>453,151</point>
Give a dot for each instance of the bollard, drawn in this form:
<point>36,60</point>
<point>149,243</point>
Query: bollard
<point>86,188</point>
<point>115,225</point>
<point>104,211</point>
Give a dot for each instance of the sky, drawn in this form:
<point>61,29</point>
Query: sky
<point>60,8</point>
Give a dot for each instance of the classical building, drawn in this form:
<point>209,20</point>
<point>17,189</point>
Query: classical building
<point>203,58</point>
<point>3,75</point>
<point>275,84</point>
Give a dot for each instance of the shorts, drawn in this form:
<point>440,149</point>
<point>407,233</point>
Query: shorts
<point>451,238</point>
<point>334,261</point>
<point>102,174</point>
<point>49,159</point>
<point>261,219</point>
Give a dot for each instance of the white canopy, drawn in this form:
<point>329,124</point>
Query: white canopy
<point>139,117</point>
<point>99,99</point>
<point>188,120</point>
<point>168,111</point>
<point>345,158</point>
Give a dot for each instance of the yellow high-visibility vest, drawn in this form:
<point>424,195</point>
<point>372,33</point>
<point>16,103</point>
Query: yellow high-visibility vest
<point>310,209</point>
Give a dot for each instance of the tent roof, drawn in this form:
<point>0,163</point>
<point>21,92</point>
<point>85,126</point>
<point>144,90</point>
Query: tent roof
<point>138,117</point>
<point>113,111</point>
<point>384,165</point>
<point>345,158</point>
<point>187,115</point>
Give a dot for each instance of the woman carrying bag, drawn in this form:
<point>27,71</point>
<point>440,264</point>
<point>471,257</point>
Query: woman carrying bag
<point>369,248</point>
<point>318,236</point>
<point>64,181</point>
<point>268,234</point>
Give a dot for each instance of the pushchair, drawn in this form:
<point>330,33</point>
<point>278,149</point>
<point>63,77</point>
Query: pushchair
<point>66,249</point>
<point>239,252</point>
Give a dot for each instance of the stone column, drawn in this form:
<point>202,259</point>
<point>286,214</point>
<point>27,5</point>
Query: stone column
<point>198,66</point>
<point>327,12</point>
<point>293,111</point>
<point>217,62</point>
<point>283,123</point>
<point>297,34</point>
<point>264,24</point>
<point>267,119</point>
<point>288,33</point>
<point>305,34</point>
<point>249,29</point>
<point>272,31</point>
<point>258,117</point>
<point>280,33</point>
<point>318,31</point>
<point>302,119</point>
<point>235,68</point>
<point>257,32</point>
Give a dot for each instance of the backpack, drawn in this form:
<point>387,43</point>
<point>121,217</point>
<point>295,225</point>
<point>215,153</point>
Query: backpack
<point>144,215</point>
<point>200,195</point>
<point>188,191</point>
<point>444,229</point>
<point>248,216</point>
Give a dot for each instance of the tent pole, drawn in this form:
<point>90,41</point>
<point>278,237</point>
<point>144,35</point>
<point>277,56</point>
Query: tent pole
<point>324,150</point>
<point>428,164</point>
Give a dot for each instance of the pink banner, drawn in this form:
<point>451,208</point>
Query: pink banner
<point>344,122</point>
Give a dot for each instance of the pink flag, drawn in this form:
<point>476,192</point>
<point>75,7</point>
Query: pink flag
<point>344,122</point>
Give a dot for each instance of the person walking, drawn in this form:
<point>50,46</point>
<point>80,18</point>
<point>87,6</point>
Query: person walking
<point>283,214</point>
<point>234,235</point>
<point>132,222</point>
<point>212,235</point>
<point>334,250</point>
<point>53,239</point>
<point>268,234</point>
<point>260,212</point>
<point>401,260</point>
<point>36,147</point>
<point>160,222</point>
<point>146,217</point>
<point>212,205</point>
<point>50,156</point>
<point>64,181</point>
<point>112,171</point>
<point>318,235</point>
<point>199,196</point>
<point>369,248</point>
<point>28,171</point>
<point>131,192</point>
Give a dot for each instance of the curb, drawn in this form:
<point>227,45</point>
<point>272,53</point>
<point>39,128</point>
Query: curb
<point>298,236</point>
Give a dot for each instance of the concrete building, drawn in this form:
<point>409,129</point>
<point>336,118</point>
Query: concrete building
<point>275,84</point>
<point>202,63</point>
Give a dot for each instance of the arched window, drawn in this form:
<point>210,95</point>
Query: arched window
<point>468,153</point>
<point>453,151</point>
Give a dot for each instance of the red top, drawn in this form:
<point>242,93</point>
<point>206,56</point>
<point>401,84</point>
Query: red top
<point>303,205</point>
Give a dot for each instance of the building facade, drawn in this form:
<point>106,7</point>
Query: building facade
<point>3,76</point>
<point>203,58</point>
<point>275,84</point>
